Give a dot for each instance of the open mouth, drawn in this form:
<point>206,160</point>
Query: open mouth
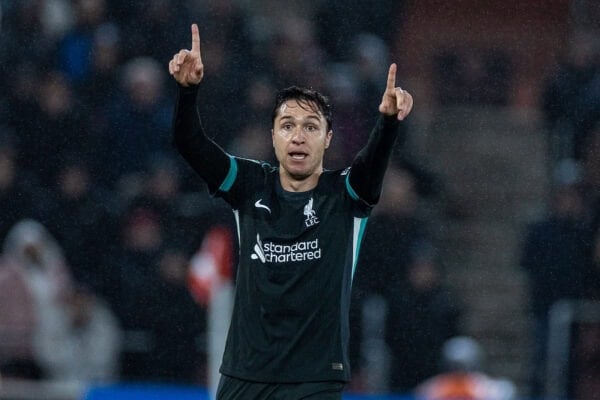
<point>298,155</point>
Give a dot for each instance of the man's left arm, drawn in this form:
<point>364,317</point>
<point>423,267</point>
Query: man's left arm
<point>368,168</point>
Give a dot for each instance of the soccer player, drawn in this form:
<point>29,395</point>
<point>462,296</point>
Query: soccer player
<point>300,227</point>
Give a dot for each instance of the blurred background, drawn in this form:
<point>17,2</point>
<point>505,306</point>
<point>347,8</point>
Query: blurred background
<point>481,265</point>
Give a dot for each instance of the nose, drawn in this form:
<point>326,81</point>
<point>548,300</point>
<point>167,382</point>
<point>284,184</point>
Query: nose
<point>298,136</point>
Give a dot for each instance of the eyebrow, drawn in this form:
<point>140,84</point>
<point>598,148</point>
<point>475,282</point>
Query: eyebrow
<point>315,116</point>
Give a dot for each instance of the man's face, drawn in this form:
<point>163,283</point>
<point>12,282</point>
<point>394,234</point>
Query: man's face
<point>300,137</point>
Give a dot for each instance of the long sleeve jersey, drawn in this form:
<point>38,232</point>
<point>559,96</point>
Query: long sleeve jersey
<point>298,252</point>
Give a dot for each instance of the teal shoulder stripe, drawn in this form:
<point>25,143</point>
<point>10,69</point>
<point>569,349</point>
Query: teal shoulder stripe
<point>231,175</point>
<point>351,191</point>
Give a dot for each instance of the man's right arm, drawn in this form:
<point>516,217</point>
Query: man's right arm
<point>209,160</point>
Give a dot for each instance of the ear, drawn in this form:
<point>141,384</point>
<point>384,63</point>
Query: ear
<point>273,137</point>
<point>328,137</point>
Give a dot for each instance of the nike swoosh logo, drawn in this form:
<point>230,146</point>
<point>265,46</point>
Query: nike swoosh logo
<point>258,204</point>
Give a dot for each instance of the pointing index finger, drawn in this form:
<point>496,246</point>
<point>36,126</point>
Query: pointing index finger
<point>195,39</point>
<point>391,79</point>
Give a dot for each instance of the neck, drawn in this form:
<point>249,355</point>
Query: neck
<point>292,184</point>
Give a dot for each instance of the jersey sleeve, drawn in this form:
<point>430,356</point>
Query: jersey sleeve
<point>365,179</point>
<point>206,158</point>
<point>244,179</point>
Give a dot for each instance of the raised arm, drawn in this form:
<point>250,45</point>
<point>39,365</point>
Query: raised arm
<point>203,155</point>
<point>369,165</point>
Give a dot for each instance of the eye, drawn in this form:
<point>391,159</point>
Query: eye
<point>287,126</point>
<point>311,128</point>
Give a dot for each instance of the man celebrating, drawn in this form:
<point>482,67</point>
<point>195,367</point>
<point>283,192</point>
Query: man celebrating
<point>299,227</point>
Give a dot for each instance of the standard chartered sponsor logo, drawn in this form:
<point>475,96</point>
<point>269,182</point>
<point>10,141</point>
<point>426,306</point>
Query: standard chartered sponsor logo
<point>270,252</point>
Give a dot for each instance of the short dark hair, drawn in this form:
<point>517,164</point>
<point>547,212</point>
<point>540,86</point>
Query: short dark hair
<point>306,97</point>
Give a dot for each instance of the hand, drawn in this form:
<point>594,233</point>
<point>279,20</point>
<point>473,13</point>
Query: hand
<point>395,101</point>
<point>186,66</point>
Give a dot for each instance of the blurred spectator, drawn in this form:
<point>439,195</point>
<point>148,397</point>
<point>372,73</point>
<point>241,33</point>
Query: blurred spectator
<point>423,314</point>
<point>82,217</point>
<point>395,226</point>
<point>294,55</point>
<point>371,56</point>
<point>17,187</point>
<point>156,22</point>
<point>227,22</point>
<point>130,282</point>
<point>54,130</point>
<point>161,187</point>
<point>75,50</point>
<point>22,23</point>
<point>178,324</point>
<point>369,353</point>
<point>57,18</point>
<point>33,278</point>
<point>350,129</point>
<point>22,96</point>
<point>101,84</point>
<point>84,348</point>
<point>463,376</point>
<point>554,254</point>
<point>18,323</point>
<point>569,102</point>
<point>161,192</point>
<point>380,17</point>
<point>254,141</point>
<point>476,77</point>
<point>140,123</point>
<point>131,277</point>
<point>223,81</point>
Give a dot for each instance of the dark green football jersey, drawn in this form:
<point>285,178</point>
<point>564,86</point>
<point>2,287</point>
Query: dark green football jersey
<point>298,251</point>
<point>297,256</point>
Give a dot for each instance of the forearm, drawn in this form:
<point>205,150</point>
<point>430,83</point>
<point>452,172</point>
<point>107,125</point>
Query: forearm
<point>369,165</point>
<point>203,155</point>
